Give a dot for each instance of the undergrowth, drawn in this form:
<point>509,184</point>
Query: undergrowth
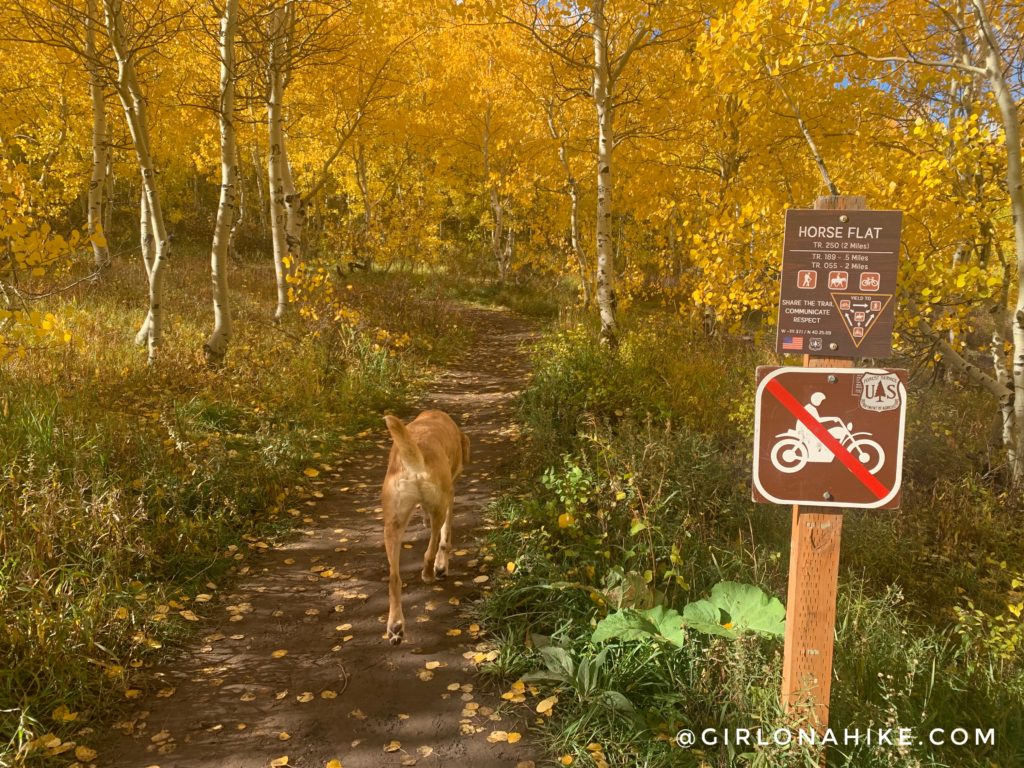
<point>128,490</point>
<point>639,494</point>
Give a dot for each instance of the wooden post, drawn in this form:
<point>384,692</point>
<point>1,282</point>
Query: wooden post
<point>813,579</point>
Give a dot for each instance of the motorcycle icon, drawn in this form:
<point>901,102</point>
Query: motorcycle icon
<point>798,447</point>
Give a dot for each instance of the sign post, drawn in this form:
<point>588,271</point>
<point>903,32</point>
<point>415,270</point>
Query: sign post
<point>838,284</point>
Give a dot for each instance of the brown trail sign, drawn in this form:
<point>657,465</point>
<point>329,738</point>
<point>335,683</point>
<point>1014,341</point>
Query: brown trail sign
<point>838,281</point>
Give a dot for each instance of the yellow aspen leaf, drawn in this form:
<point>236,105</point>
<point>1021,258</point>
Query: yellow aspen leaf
<point>513,737</point>
<point>279,654</point>
<point>392,746</point>
<point>545,705</point>
<point>279,762</point>
<point>85,754</point>
<point>311,472</point>
<point>63,714</point>
<point>334,764</point>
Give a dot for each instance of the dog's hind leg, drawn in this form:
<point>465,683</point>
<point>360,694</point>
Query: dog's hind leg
<point>441,561</point>
<point>431,553</point>
<point>393,545</point>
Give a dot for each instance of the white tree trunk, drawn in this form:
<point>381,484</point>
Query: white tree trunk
<point>604,106</point>
<point>130,93</point>
<point>1015,189</point>
<point>98,176</point>
<point>294,206</point>
<point>239,210</point>
<point>366,253</point>
<point>262,206</point>
<point>498,254</point>
<point>275,162</point>
<point>573,191</point>
<point>216,345</point>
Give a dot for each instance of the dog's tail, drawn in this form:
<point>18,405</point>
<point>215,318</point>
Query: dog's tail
<point>408,451</point>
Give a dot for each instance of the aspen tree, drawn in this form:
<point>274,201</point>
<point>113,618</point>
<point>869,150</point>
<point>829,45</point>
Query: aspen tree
<point>216,345</point>
<point>133,102</point>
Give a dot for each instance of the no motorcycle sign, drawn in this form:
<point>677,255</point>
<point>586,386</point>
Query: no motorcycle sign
<point>829,437</point>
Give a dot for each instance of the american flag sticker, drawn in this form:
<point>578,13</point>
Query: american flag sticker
<point>793,342</point>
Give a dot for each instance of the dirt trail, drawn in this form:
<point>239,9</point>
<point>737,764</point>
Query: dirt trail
<point>341,692</point>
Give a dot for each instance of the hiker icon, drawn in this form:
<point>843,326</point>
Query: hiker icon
<point>798,446</point>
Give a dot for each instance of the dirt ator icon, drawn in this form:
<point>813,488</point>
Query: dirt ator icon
<point>798,447</point>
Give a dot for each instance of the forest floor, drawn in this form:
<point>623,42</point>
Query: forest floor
<point>291,662</point>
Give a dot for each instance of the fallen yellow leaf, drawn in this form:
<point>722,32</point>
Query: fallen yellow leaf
<point>85,754</point>
<point>333,764</point>
<point>392,746</point>
<point>277,762</point>
<point>279,654</point>
<point>63,714</point>
<point>546,704</point>
<point>513,737</point>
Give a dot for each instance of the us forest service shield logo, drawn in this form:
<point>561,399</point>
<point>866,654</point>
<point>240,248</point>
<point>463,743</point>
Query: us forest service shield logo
<point>879,391</point>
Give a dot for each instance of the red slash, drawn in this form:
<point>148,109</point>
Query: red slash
<point>847,459</point>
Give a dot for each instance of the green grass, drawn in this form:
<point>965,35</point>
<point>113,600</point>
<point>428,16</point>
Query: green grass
<point>638,463</point>
<point>128,489</point>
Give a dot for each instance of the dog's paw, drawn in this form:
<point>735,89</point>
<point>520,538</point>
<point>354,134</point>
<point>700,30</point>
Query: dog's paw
<point>428,577</point>
<point>396,632</point>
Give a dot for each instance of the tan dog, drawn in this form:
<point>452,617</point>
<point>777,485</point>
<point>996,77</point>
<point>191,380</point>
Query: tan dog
<point>427,455</point>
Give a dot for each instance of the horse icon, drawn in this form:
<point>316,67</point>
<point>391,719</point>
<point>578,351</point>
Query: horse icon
<point>798,447</point>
